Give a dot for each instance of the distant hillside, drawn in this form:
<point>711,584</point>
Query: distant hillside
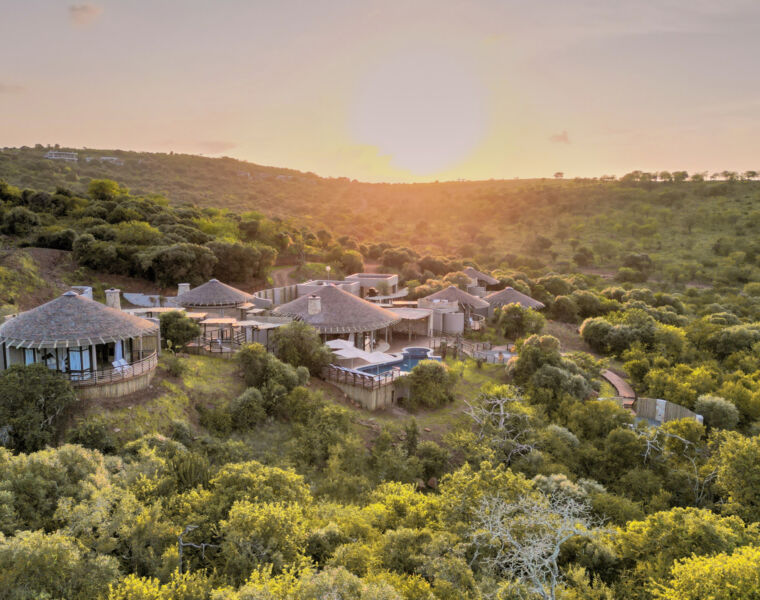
<point>369,212</point>
<point>690,230</point>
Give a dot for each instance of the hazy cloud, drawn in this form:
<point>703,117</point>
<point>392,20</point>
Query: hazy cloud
<point>10,88</point>
<point>84,14</point>
<point>560,138</point>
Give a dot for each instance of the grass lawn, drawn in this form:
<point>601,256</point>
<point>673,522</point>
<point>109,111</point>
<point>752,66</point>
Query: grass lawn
<point>209,380</point>
<point>567,334</point>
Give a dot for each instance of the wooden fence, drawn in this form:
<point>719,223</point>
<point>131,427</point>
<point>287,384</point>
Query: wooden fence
<point>225,347</point>
<point>462,345</point>
<point>662,411</point>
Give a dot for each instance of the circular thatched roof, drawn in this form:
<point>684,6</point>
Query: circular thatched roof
<point>475,274</point>
<point>339,312</point>
<point>454,294</point>
<point>510,295</point>
<point>72,320</point>
<point>213,293</point>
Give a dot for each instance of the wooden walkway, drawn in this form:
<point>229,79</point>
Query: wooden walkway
<point>624,390</point>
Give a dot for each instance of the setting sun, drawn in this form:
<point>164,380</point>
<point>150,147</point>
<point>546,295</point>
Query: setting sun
<point>425,108</point>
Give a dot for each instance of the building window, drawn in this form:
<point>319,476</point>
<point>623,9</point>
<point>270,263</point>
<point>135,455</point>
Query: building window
<point>79,359</point>
<point>30,356</point>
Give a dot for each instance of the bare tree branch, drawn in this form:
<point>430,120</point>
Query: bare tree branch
<point>500,422</point>
<point>524,538</point>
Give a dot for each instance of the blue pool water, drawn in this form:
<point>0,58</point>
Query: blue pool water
<point>409,359</point>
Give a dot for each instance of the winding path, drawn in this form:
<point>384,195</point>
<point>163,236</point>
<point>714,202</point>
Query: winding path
<point>624,390</point>
<point>281,276</point>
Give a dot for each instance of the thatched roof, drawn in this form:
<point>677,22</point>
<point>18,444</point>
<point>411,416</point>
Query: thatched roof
<point>454,294</point>
<point>510,295</point>
<point>475,274</point>
<point>213,293</point>
<point>72,320</point>
<point>340,312</point>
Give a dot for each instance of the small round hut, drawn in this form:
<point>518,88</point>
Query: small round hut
<point>468,302</point>
<point>103,351</point>
<point>510,295</point>
<point>214,298</point>
<point>337,314</point>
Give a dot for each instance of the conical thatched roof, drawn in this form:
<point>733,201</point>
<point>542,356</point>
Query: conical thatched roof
<point>475,274</point>
<point>339,312</point>
<point>454,294</point>
<point>510,295</point>
<point>72,320</point>
<point>213,293</point>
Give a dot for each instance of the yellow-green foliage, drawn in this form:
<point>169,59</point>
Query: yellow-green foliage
<point>207,379</point>
<point>20,275</point>
<point>721,577</point>
<point>212,377</point>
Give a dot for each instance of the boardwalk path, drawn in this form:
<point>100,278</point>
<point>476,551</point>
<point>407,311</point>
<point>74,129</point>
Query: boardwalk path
<point>624,390</point>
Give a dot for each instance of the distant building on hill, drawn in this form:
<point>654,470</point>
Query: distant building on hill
<point>58,155</point>
<point>114,160</point>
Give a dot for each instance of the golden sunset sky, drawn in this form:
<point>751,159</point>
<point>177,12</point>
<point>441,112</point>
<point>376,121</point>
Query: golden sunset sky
<point>411,90</point>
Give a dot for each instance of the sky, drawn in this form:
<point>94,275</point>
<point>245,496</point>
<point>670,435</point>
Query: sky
<point>392,90</point>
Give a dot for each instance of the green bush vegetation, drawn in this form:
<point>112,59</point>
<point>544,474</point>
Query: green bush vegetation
<point>511,481</point>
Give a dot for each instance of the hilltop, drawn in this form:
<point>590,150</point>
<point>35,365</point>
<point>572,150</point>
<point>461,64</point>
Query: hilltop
<point>692,230</point>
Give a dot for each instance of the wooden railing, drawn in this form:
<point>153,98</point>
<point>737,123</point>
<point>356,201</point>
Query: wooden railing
<point>464,346</point>
<point>113,375</point>
<point>216,345</point>
<point>355,378</point>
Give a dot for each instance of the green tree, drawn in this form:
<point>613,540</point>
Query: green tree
<point>261,534</point>
<point>299,344</point>
<point>177,263</point>
<point>105,189</point>
<point>724,576</point>
<point>517,321</point>
<point>19,221</point>
<point>38,565</point>
<point>649,548</point>
<point>738,476</point>
<point>33,403</point>
<point>718,412</point>
<point>178,329</point>
<point>430,384</point>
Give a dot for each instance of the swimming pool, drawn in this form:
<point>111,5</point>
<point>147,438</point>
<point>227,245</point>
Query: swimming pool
<point>409,359</point>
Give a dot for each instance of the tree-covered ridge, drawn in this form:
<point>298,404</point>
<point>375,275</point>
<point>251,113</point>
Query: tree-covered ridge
<point>694,227</point>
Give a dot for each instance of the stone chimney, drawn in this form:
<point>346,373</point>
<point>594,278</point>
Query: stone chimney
<point>113,298</point>
<point>315,305</point>
<point>182,288</point>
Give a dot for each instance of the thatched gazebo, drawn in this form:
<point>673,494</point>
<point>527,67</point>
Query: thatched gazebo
<point>335,313</point>
<point>215,297</point>
<point>102,350</point>
<point>510,295</point>
<point>468,302</point>
<point>480,278</point>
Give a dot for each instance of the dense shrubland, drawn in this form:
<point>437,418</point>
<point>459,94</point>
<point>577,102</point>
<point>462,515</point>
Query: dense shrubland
<point>512,481</point>
<point>536,489</point>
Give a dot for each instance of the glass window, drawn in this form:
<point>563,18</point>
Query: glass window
<point>29,356</point>
<point>48,357</point>
<point>75,359</point>
<point>63,360</point>
<point>85,358</point>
